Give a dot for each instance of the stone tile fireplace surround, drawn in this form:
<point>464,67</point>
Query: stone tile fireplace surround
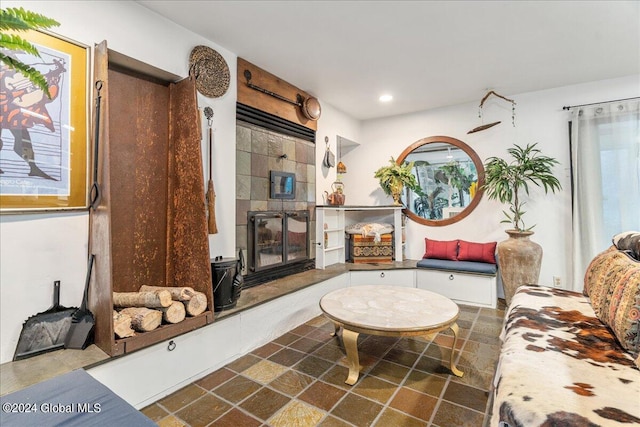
<point>259,151</point>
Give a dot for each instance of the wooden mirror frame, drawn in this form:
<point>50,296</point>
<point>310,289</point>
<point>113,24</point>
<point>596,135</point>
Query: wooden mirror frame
<point>479,169</point>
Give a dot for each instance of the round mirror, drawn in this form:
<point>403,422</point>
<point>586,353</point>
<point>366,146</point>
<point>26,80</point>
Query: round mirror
<point>450,175</point>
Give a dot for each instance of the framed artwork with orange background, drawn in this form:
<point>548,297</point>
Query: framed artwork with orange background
<point>44,140</point>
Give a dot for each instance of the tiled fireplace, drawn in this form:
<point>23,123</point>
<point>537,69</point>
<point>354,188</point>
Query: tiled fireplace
<point>259,152</point>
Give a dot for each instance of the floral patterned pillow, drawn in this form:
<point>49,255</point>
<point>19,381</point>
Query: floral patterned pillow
<point>612,283</point>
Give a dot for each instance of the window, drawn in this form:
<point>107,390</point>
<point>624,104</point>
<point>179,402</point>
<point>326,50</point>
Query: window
<point>605,160</point>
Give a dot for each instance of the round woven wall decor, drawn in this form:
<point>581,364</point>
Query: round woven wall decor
<point>210,70</point>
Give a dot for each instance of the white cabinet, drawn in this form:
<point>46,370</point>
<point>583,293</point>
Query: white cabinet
<point>330,239</point>
<point>465,288</point>
<point>383,277</point>
<point>331,222</point>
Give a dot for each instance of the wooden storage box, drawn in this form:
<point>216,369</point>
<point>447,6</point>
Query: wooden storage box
<point>365,250</point>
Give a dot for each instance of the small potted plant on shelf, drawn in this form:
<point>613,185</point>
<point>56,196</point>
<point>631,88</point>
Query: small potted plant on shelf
<point>508,182</point>
<point>394,177</point>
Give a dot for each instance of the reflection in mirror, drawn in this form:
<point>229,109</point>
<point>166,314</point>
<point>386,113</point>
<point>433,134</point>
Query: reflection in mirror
<point>449,173</point>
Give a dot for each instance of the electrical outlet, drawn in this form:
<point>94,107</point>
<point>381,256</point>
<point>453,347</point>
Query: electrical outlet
<point>557,282</point>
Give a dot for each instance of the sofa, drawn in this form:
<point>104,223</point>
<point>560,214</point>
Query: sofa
<point>570,358</point>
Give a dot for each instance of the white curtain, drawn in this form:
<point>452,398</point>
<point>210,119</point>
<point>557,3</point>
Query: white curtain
<point>605,157</point>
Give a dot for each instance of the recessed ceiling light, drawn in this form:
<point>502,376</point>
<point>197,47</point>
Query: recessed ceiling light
<point>385,98</point>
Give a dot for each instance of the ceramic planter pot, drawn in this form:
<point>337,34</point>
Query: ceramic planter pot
<point>520,260</point>
<point>396,192</point>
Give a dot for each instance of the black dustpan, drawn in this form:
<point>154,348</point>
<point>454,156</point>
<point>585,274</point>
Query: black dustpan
<point>80,333</point>
<point>45,331</point>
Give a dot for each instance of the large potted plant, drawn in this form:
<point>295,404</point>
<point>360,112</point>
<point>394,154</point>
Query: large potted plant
<point>394,177</point>
<point>509,182</point>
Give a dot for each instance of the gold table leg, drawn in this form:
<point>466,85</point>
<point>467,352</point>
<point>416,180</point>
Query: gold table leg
<point>350,340</point>
<point>335,330</point>
<point>452,365</point>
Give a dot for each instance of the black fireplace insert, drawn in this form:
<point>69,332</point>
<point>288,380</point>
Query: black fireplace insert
<point>278,242</point>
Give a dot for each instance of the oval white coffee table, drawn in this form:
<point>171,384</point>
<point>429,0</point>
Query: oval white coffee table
<point>389,311</point>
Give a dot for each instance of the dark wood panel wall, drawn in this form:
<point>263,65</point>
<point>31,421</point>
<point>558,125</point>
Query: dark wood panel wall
<point>268,103</point>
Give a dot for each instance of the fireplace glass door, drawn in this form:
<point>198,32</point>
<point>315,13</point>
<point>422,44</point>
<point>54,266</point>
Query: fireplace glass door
<point>268,240</point>
<point>278,238</point>
<point>297,232</point>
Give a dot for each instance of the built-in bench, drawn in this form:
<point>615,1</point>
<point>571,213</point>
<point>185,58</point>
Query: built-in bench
<point>467,282</point>
<point>466,272</point>
<point>459,266</point>
<point>261,314</point>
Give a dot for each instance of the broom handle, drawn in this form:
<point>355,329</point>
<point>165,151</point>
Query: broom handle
<point>210,152</point>
<point>85,298</point>
<point>213,228</point>
<point>211,220</point>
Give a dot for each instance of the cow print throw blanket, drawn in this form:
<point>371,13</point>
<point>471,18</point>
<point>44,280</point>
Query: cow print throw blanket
<point>560,366</point>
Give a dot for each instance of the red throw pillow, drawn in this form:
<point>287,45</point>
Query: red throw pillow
<point>479,252</point>
<point>441,249</point>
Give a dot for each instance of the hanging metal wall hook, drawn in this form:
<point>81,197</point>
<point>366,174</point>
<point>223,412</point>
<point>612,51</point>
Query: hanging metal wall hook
<point>208,113</point>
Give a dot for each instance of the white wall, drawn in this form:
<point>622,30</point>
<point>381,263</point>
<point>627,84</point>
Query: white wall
<point>539,118</point>
<point>332,123</point>
<point>36,249</point>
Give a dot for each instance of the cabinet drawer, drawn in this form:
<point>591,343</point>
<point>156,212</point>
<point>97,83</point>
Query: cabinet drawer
<point>383,277</point>
<point>465,288</point>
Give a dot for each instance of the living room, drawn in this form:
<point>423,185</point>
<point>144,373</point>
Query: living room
<point>38,248</point>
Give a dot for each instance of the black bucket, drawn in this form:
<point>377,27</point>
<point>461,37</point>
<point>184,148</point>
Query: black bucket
<point>227,283</point>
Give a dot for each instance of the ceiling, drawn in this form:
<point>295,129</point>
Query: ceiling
<point>427,54</point>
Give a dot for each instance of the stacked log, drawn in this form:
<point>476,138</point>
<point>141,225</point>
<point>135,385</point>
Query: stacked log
<point>145,310</point>
<point>195,302</point>
<point>143,319</point>
<point>177,293</point>
<point>122,325</point>
<point>155,299</point>
<point>175,313</point>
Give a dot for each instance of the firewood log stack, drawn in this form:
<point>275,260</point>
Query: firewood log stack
<point>147,309</point>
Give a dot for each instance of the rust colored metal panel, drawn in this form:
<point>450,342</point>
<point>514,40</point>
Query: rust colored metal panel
<point>188,239</point>
<point>150,225</point>
<point>100,295</point>
<point>139,134</point>
<point>267,103</point>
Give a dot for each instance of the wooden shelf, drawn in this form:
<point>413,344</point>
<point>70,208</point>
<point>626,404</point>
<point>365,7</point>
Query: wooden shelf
<point>337,218</point>
<point>162,333</point>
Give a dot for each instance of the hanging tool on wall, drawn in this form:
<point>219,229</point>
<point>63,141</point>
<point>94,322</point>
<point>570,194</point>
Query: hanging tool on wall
<point>211,195</point>
<point>94,196</point>
<point>309,106</point>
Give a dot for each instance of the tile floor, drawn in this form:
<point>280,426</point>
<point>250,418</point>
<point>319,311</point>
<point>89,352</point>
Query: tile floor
<point>298,380</point>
